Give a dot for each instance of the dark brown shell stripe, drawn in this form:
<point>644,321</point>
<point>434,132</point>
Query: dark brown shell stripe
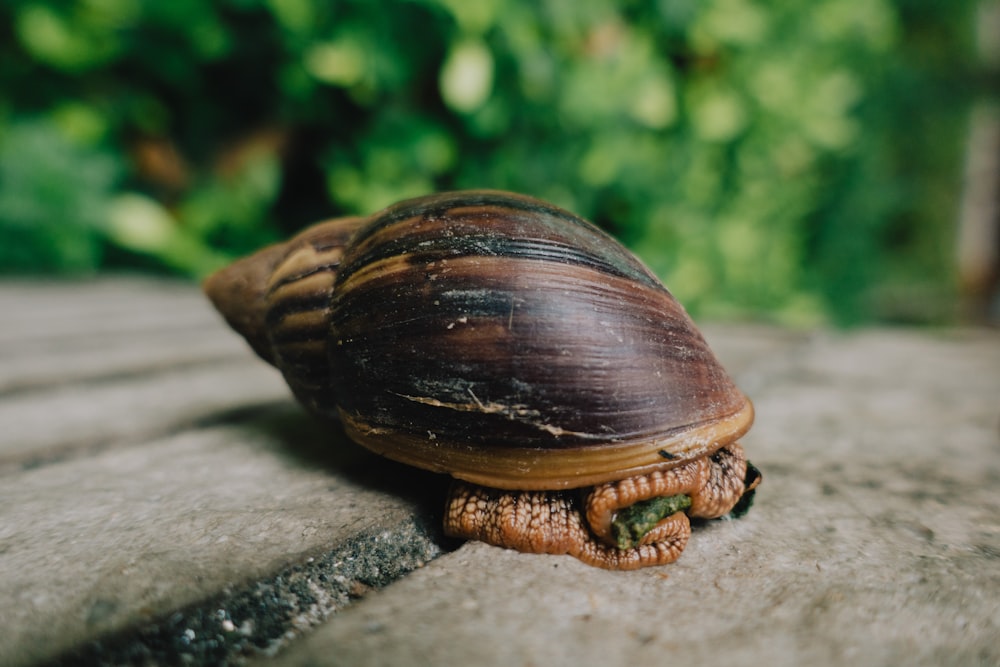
<point>298,307</point>
<point>487,335</point>
<point>554,361</point>
<point>497,322</point>
<point>493,224</point>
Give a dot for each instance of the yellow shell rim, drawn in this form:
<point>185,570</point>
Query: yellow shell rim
<point>531,469</point>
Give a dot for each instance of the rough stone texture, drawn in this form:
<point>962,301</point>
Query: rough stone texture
<point>175,505</point>
<point>163,502</point>
<point>874,540</point>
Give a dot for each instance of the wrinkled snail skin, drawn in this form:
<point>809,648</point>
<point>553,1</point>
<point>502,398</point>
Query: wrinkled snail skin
<point>553,522</point>
<point>514,346</point>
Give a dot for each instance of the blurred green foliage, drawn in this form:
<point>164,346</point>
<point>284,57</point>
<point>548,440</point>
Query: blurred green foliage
<point>793,160</point>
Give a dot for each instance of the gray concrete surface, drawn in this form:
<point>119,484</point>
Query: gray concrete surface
<point>171,506</point>
<point>875,539</point>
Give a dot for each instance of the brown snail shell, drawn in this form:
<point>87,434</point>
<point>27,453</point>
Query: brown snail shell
<point>490,336</point>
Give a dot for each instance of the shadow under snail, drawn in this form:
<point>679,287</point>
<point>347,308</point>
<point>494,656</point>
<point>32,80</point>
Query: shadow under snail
<point>518,348</point>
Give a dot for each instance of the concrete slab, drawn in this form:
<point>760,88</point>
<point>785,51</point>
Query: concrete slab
<point>174,507</point>
<point>66,333</point>
<point>875,539</point>
<point>119,540</point>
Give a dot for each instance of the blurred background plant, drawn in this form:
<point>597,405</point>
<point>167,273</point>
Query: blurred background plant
<point>797,161</point>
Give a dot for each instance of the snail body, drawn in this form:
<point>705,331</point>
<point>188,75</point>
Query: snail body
<point>518,348</point>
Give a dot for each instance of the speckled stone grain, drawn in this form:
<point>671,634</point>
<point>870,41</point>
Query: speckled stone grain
<point>874,540</point>
<point>164,502</point>
<point>174,506</point>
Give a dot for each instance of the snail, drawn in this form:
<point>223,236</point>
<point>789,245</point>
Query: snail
<point>521,350</point>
